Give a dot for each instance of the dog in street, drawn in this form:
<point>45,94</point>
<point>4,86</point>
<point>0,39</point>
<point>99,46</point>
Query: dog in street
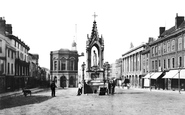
<point>26,92</point>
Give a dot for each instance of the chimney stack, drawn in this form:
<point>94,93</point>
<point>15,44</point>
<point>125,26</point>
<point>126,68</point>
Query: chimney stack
<point>161,31</point>
<point>150,40</point>
<point>2,25</point>
<point>9,28</point>
<point>178,20</point>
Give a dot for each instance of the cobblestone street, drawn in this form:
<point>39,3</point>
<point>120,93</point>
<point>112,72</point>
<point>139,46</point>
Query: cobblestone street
<point>124,102</point>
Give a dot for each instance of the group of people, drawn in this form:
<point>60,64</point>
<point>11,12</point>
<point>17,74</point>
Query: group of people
<point>53,86</point>
<point>111,86</point>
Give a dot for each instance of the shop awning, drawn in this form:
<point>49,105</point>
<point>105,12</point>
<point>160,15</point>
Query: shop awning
<point>182,75</point>
<point>148,75</point>
<point>171,74</point>
<point>156,75</point>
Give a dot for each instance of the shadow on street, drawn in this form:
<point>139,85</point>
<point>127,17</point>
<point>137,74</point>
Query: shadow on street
<point>21,100</point>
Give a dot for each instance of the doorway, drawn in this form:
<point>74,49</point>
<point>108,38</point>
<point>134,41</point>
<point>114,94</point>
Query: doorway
<point>63,81</point>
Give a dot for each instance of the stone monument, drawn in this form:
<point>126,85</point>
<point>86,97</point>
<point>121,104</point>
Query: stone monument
<point>95,73</point>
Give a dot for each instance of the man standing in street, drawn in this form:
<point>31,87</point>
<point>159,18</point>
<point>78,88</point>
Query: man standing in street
<point>53,86</point>
<point>109,86</point>
<point>113,85</point>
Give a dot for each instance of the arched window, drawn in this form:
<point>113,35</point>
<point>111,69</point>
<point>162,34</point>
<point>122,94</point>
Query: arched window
<point>173,62</point>
<point>180,44</point>
<point>63,64</point>
<point>55,65</point>
<point>173,45</point>
<point>164,47</point>
<point>168,46</point>
<point>180,62</point>
<point>159,49</point>
<point>72,65</point>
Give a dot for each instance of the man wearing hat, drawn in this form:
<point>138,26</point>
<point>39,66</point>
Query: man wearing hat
<point>53,86</point>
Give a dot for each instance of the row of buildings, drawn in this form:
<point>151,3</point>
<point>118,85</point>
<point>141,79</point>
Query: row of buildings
<point>18,67</point>
<point>159,63</point>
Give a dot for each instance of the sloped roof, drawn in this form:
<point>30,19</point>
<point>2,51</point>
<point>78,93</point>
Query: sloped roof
<point>173,29</point>
<point>168,32</point>
<point>182,25</point>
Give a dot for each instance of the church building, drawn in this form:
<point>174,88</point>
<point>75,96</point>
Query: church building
<point>64,67</point>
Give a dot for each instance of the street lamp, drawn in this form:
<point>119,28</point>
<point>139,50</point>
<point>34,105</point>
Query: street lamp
<point>83,81</point>
<point>104,69</point>
<point>80,55</point>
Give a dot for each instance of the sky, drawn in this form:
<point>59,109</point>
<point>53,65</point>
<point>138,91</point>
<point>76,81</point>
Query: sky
<point>49,25</point>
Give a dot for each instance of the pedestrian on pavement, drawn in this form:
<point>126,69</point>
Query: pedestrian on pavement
<point>113,86</point>
<point>86,88</point>
<point>79,89</point>
<point>53,86</point>
<point>109,87</point>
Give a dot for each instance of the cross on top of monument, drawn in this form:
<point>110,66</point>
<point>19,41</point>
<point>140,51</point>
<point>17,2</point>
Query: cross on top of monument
<point>95,16</point>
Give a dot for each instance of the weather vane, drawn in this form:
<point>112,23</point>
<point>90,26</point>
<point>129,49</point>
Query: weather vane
<point>95,16</point>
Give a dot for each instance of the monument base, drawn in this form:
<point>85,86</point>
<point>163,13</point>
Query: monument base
<point>95,81</point>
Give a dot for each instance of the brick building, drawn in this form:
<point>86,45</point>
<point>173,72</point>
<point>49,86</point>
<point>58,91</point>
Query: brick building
<point>15,53</point>
<point>21,61</point>
<point>167,54</point>
<point>7,58</point>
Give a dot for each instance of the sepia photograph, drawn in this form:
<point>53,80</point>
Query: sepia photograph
<point>92,57</point>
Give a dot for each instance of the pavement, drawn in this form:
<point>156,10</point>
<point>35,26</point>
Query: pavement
<point>133,101</point>
<point>160,90</point>
<point>36,90</point>
<point>19,92</point>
